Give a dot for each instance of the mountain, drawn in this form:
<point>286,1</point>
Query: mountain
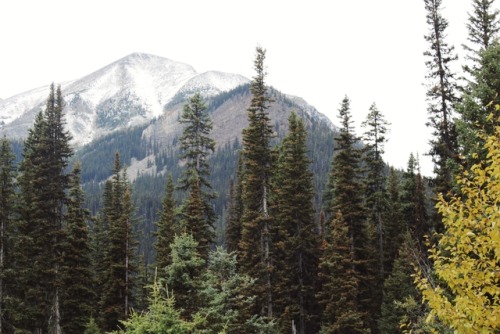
<point>128,92</point>
<point>132,106</point>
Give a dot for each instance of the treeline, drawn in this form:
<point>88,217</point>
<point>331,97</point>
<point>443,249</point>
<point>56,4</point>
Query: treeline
<point>364,264</point>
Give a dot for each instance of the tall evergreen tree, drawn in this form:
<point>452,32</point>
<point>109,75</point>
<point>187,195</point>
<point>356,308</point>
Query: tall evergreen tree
<point>413,202</point>
<point>255,243</point>
<point>482,26</point>
<point>340,283</point>
<point>196,146</point>
<point>116,300</point>
<point>349,202</point>
<point>477,105</point>
<point>46,156</point>
<point>376,193</point>
<point>79,295</point>
<point>165,229</point>
<point>296,254</point>
<point>7,211</point>
<point>441,97</point>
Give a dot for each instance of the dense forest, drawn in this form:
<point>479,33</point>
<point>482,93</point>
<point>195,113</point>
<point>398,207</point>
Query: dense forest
<point>361,248</point>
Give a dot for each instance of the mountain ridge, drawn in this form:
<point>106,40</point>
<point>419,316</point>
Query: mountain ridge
<point>127,92</point>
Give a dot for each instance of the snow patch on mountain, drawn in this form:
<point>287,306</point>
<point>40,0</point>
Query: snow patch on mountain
<point>130,91</point>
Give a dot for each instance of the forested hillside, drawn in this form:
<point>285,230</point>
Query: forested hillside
<point>247,212</point>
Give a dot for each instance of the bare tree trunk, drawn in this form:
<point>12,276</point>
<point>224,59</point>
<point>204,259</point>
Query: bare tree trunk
<point>126,274</point>
<point>55,323</point>
<point>302,315</point>
<point>267,259</point>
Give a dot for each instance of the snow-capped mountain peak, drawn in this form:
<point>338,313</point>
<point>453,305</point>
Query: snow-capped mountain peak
<point>129,91</point>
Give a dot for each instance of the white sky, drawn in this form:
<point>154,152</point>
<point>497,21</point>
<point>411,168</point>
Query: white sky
<point>369,50</point>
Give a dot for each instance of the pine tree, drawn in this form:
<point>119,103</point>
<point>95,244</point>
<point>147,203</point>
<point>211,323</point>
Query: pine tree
<point>79,295</point>
<point>340,283</point>
<point>46,157</point>
<point>441,97</point>
<point>395,223</point>
<point>165,229</point>
<point>196,145</point>
<point>255,243</point>
<point>297,241</point>
<point>7,231</point>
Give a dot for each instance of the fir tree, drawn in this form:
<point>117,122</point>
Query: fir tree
<point>482,27</point>
<point>255,243</point>
<point>46,156</point>
<point>184,273</point>
<point>79,295</point>
<point>441,97</point>
<point>196,145</point>
<point>477,106</point>
<point>165,229</point>
<point>413,202</point>
<point>347,200</point>
<point>116,300</point>
<point>297,242</point>
<point>340,283</point>
<point>7,230</point>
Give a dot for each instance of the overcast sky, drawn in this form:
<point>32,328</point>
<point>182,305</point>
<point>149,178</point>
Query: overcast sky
<point>369,50</point>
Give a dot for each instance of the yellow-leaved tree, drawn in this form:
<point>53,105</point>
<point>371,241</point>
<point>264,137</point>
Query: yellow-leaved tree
<point>466,260</point>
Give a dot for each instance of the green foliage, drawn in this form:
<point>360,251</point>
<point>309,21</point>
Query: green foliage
<point>79,295</point>
<point>295,237</point>
<point>196,145</point>
<point>184,273</point>
<point>482,27</point>
<point>477,103</point>
<point>255,240</point>
<point>91,327</point>
<point>120,261</point>
<point>161,317</point>
<point>340,283</point>
<point>166,228</point>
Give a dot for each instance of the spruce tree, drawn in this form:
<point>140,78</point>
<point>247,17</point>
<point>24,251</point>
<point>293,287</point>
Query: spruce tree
<point>340,283</point>
<point>413,202</point>
<point>297,241</point>
<point>348,200</point>
<point>441,97</point>
<point>184,274</point>
<point>482,26</point>
<point>477,108</point>
<point>165,229</point>
<point>79,295</point>
<point>46,156</point>
<point>376,193</point>
<point>7,230</point>
<point>119,277</point>
<point>196,146</point>
<point>255,243</point>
